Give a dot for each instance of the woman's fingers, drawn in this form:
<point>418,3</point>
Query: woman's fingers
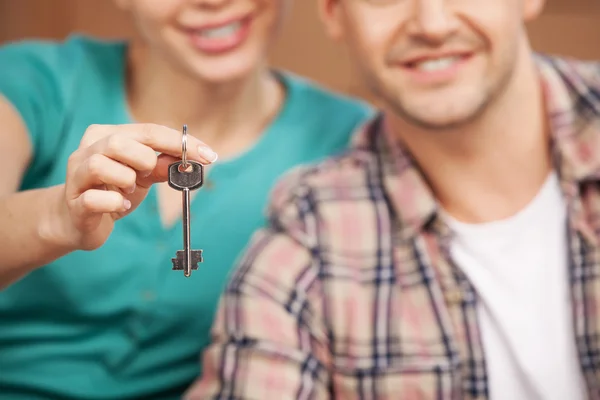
<point>98,201</point>
<point>98,170</point>
<point>160,172</point>
<point>159,138</point>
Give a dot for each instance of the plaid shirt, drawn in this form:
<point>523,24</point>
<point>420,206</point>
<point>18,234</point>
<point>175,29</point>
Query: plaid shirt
<point>351,293</point>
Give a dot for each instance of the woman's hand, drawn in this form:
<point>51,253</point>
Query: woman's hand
<point>111,172</point>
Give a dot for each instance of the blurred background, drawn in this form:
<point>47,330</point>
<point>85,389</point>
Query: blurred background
<point>567,27</point>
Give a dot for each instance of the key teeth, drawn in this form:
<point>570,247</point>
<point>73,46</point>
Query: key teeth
<point>178,265</point>
<point>178,261</point>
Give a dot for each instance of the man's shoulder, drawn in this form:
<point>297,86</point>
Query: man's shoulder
<point>341,178</point>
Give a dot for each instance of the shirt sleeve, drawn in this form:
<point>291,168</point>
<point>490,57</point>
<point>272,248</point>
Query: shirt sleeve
<point>269,339</point>
<point>30,81</point>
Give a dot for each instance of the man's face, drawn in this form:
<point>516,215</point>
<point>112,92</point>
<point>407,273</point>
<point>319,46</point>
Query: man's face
<point>435,63</point>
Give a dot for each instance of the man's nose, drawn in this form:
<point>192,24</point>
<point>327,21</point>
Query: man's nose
<point>432,21</point>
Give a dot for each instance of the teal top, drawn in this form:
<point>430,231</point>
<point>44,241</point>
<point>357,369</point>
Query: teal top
<point>117,322</point>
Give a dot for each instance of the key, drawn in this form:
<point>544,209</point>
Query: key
<point>186,180</point>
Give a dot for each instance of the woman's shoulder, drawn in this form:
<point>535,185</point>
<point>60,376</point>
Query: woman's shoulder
<point>322,108</point>
<point>320,97</point>
<point>56,60</point>
<point>319,119</point>
<point>44,81</point>
<point>51,49</point>
<point>35,74</point>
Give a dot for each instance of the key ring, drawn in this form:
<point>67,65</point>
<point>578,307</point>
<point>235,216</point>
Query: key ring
<point>184,147</point>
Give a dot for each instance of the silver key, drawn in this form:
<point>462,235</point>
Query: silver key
<point>186,180</point>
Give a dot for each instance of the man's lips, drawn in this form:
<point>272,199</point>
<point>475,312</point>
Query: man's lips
<point>414,61</point>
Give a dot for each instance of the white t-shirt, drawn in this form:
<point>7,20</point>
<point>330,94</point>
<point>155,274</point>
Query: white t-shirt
<point>518,267</point>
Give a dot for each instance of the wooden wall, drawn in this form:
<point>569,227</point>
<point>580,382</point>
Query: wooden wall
<point>568,27</point>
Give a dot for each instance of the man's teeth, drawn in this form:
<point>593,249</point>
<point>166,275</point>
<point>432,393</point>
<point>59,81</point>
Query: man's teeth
<point>437,64</point>
<point>222,31</point>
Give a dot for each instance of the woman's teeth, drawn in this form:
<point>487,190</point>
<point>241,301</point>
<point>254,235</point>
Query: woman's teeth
<point>220,32</point>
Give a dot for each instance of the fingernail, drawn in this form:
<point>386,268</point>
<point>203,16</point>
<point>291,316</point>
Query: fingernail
<point>126,204</point>
<point>131,189</point>
<point>208,154</point>
<point>146,174</point>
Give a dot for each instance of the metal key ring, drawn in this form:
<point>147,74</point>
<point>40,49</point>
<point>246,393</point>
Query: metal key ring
<point>184,147</point>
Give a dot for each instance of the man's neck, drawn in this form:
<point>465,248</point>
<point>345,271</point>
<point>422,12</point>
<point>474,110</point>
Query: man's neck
<point>494,167</point>
<point>219,114</point>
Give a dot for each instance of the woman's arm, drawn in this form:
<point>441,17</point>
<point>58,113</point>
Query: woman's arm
<point>30,230</point>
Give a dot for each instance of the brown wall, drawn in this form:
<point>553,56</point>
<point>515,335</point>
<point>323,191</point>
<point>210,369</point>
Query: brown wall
<point>568,27</point>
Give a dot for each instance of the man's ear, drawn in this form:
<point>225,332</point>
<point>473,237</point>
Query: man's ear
<point>532,9</point>
<point>330,14</point>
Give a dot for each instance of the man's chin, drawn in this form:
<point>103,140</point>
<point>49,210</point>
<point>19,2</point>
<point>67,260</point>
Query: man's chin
<point>439,114</point>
